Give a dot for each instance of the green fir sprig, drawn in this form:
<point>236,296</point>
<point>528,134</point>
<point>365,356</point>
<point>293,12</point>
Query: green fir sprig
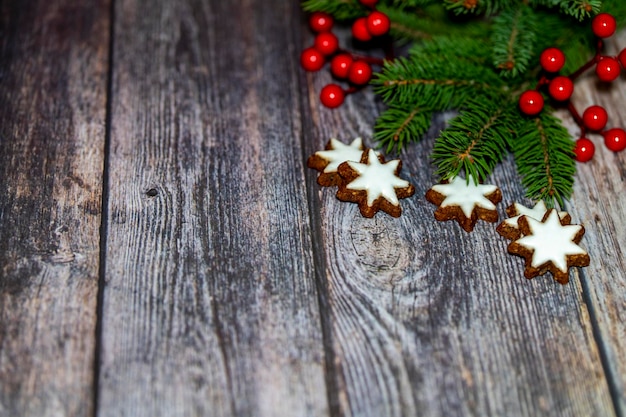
<point>477,57</point>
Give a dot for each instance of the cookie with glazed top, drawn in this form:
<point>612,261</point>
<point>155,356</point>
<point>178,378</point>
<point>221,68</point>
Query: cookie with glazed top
<point>373,184</point>
<point>328,160</point>
<point>465,202</point>
<point>509,227</point>
<point>549,245</point>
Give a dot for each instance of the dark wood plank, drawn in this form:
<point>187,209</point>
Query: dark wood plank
<point>210,304</point>
<point>53,71</point>
<point>599,201</point>
<point>426,319</point>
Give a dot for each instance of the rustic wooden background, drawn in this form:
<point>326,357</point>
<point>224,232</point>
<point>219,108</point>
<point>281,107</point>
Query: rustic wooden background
<point>164,251</point>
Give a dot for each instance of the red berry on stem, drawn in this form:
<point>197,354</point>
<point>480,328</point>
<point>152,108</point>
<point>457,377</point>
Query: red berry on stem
<point>561,88</point>
<point>359,30</point>
<point>320,22</point>
<point>360,73</point>
<point>340,65</point>
<point>552,59</point>
<point>311,59</point>
<point>615,139</point>
<point>531,102</point>
<point>332,96</point>
<point>622,57</point>
<point>595,118</point>
<point>368,3</point>
<point>584,150</point>
<point>603,25</point>
<point>608,69</point>
<point>326,43</point>
<point>378,23</point>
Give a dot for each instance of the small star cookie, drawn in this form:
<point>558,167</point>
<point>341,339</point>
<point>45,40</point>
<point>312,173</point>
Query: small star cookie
<point>328,160</point>
<point>373,184</point>
<point>549,245</point>
<point>509,228</point>
<point>465,202</point>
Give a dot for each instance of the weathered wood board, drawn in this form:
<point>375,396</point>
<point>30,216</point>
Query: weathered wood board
<point>210,304</point>
<point>53,77</point>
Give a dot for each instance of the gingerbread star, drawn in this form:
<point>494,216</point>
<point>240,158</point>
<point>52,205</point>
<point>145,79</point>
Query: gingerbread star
<point>373,184</point>
<point>509,227</point>
<point>328,161</point>
<point>549,245</point>
<point>465,202</point>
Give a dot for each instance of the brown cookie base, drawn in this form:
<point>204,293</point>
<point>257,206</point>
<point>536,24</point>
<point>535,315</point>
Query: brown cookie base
<point>360,196</point>
<point>443,214</point>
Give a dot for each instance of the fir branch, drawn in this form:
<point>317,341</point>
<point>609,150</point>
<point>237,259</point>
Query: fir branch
<point>488,7</point>
<point>399,125</point>
<point>513,40</point>
<point>544,154</point>
<point>438,77</point>
<point>581,9</point>
<point>476,140</point>
<point>340,9</point>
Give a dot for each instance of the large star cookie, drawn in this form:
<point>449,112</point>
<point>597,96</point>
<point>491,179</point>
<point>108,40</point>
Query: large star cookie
<point>465,202</point>
<point>509,227</point>
<point>373,184</point>
<point>549,245</point>
<point>327,161</point>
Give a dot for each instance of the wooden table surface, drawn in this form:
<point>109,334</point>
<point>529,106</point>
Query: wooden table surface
<point>164,251</point>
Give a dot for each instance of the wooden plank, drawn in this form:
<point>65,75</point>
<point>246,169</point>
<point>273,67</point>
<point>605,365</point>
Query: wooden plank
<point>53,72</point>
<point>599,201</point>
<point>210,305</point>
<point>426,319</point>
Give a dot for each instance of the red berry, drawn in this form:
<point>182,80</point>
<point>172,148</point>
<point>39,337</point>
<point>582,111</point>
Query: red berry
<point>378,23</point>
<point>326,43</point>
<point>561,88</point>
<point>332,96</point>
<point>311,59</point>
<point>360,73</point>
<point>608,69</point>
<point>595,118</point>
<point>531,102</point>
<point>552,59</point>
<point>359,30</point>
<point>584,150</point>
<point>368,3</point>
<point>603,25</point>
<point>340,65</point>
<point>622,57</point>
<point>321,22</point>
<point>615,139</point>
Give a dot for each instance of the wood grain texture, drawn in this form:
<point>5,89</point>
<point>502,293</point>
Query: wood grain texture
<point>210,304</point>
<point>53,67</point>
<point>426,319</point>
<point>599,202</point>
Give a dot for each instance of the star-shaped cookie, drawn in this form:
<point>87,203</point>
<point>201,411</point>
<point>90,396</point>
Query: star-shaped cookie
<point>465,202</point>
<point>373,184</point>
<point>328,160</point>
<point>549,245</point>
<point>509,227</point>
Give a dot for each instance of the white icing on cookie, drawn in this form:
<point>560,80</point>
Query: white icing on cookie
<point>466,195</point>
<point>551,241</point>
<point>341,152</point>
<point>379,180</point>
<point>537,213</point>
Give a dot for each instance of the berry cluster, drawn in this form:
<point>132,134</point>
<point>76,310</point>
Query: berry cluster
<point>344,65</point>
<point>560,88</point>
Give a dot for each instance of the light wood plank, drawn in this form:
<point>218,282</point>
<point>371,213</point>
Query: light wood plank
<point>53,65</point>
<point>428,320</point>
<point>599,202</point>
<point>210,305</point>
